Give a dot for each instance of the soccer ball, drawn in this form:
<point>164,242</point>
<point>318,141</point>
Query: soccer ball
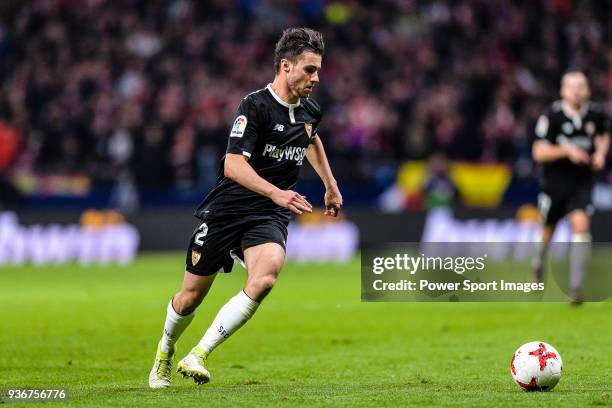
<point>536,366</point>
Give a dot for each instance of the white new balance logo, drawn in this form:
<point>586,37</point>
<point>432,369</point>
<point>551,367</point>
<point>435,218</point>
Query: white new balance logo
<point>279,127</point>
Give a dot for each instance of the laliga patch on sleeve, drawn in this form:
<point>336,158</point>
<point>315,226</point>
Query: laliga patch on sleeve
<point>239,126</point>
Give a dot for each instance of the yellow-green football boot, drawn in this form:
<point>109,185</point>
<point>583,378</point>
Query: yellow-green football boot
<point>193,366</point>
<point>161,372</point>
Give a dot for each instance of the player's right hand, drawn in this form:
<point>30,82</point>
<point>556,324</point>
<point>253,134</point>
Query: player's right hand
<point>577,155</point>
<point>291,200</point>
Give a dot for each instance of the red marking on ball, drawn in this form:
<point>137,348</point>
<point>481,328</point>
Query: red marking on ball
<point>542,354</point>
<point>530,386</point>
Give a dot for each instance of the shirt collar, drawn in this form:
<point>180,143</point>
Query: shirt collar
<point>280,100</point>
<point>570,114</point>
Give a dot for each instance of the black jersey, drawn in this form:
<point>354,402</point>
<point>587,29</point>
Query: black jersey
<point>274,135</point>
<point>560,126</point>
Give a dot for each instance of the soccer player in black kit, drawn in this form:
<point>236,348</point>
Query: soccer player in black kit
<point>245,216</point>
<point>572,142</point>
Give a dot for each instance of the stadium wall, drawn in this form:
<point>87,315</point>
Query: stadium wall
<point>171,229</point>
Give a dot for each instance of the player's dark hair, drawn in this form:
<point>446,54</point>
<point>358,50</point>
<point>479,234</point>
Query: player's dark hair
<point>294,42</point>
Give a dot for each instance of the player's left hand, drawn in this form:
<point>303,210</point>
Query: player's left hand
<point>333,201</point>
<point>598,161</point>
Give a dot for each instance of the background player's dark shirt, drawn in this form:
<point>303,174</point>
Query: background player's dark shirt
<point>558,126</point>
<point>274,136</point>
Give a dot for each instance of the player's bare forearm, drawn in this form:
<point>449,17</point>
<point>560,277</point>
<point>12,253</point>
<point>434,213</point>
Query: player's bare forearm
<point>239,170</point>
<point>318,160</point>
<point>546,152</point>
<point>602,144</point>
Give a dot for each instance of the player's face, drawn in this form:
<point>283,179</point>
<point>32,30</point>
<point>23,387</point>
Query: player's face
<point>303,75</point>
<point>575,89</point>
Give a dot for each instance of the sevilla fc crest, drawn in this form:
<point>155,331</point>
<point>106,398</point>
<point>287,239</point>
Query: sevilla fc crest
<point>195,257</point>
<point>308,127</point>
<point>590,128</point>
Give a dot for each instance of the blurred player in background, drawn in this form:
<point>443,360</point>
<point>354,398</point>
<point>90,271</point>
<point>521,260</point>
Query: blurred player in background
<point>245,216</point>
<point>572,142</point>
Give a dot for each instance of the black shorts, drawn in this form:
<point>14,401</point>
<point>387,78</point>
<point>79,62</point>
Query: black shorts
<point>217,242</point>
<point>555,202</point>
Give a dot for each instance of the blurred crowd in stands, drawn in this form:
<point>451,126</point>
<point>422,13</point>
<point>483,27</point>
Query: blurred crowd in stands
<point>147,89</point>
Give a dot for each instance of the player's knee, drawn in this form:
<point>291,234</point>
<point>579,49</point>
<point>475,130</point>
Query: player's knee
<point>580,229</point>
<point>579,223</point>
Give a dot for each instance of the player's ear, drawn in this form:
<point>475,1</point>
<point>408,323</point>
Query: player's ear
<point>285,65</point>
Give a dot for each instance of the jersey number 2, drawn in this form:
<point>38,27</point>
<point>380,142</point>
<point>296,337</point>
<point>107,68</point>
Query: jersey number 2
<point>200,235</point>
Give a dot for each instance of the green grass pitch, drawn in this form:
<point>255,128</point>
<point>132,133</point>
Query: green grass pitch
<point>94,331</point>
